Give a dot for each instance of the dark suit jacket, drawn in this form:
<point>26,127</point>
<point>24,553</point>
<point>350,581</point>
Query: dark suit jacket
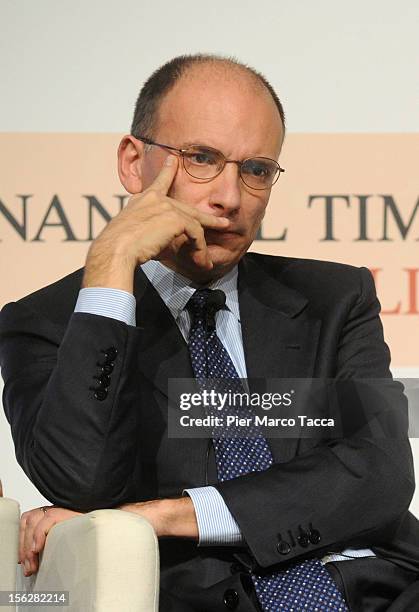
<point>300,318</point>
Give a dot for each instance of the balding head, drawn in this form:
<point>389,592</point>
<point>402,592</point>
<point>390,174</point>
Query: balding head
<point>214,67</point>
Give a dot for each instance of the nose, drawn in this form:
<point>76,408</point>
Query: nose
<point>226,190</point>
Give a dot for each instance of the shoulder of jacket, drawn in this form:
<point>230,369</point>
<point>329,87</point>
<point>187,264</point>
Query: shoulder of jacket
<point>55,301</point>
<point>299,265</point>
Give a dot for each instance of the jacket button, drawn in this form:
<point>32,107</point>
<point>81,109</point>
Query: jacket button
<point>283,547</point>
<point>231,599</point>
<point>100,394</point>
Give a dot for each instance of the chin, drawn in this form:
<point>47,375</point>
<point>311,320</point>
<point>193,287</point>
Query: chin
<point>222,257</point>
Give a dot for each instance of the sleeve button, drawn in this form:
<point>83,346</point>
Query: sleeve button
<point>110,353</point>
<point>100,394</point>
<point>107,368</point>
<point>303,538</point>
<point>103,380</point>
<point>314,535</point>
<point>283,547</point>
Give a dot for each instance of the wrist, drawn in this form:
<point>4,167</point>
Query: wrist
<point>110,270</point>
<point>180,518</point>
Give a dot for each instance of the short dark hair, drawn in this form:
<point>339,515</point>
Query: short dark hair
<point>164,78</point>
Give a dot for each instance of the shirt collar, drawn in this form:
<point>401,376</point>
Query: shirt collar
<point>175,289</point>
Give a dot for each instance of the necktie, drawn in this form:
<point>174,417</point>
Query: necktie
<point>305,585</point>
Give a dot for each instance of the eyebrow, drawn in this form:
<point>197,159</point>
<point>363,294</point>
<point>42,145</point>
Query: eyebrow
<point>201,144</point>
<point>204,146</point>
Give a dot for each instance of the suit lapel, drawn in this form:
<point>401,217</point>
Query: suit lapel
<point>279,336</point>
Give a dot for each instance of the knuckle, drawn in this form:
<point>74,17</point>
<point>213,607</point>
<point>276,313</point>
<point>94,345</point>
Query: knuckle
<point>193,212</point>
<point>167,207</point>
<point>196,225</point>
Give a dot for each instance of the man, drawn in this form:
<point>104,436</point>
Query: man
<point>86,363</point>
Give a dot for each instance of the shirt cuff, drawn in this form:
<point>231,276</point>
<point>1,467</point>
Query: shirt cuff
<point>107,302</point>
<point>348,553</point>
<point>216,525</point>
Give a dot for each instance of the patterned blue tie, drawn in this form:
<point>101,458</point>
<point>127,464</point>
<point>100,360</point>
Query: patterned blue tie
<point>305,585</point>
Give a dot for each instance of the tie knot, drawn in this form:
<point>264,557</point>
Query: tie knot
<point>205,301</point>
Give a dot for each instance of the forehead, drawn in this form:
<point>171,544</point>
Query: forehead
<point>223,109</point>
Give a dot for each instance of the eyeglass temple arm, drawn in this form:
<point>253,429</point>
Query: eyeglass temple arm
<point>157,144</point>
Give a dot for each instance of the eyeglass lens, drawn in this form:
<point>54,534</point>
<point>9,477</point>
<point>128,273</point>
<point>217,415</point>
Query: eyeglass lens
<point>256,172</point>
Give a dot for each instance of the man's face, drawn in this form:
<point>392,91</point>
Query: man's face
<point>228,113</point>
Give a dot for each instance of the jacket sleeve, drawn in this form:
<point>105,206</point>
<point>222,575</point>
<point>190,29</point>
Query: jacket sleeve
<point>352,491</point>
<point>69,428</point>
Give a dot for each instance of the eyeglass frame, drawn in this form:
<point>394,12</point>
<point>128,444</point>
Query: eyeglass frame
<point>239,163</point>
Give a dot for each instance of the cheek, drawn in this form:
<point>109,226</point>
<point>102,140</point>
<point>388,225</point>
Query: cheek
<point>256,214</point>
<point>184,190</point>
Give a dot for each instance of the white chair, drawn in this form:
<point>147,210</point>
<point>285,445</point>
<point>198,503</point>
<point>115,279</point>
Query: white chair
<point>9,538</point>
<point>107,559</point>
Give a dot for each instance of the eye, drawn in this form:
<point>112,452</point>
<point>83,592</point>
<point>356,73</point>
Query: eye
<point>202,158</point>
<point>257,169</point>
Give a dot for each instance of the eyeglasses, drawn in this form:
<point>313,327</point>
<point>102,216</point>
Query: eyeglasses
<point>205,163</point>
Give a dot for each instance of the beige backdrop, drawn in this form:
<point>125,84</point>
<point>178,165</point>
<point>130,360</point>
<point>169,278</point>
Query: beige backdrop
<point>63,180</point>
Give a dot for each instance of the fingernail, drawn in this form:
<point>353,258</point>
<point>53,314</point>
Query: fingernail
<point>224,219</point>
<point>27,565</point>
<point>33,549</point>
<point>169,160</point>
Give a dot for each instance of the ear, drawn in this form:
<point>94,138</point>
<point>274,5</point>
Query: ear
<point>130,154</point>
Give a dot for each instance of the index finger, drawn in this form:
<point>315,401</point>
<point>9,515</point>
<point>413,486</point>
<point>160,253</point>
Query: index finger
<point>22,528</point>
<point>166,175</point>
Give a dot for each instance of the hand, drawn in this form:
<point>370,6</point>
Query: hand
<point>169,517</point>
<point>34,528</point>
<point>151,226</point>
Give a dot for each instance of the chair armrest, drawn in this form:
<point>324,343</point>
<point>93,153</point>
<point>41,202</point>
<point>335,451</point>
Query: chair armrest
<point>9,543</point>
<point>107,559</point>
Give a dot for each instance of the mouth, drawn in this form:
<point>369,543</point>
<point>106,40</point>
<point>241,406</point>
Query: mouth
<point>216,236</point>
<point>222,230</point>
